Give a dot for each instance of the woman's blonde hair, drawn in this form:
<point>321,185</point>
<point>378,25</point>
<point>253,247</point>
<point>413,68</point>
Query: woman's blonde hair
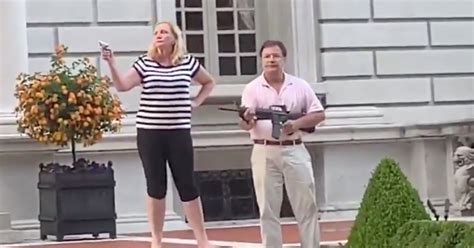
<point>178,51</point>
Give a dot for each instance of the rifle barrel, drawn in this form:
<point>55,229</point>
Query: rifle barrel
<point>228,109</point>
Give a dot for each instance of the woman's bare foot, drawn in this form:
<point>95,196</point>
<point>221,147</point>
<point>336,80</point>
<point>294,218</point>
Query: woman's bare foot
<point>206,245</point>
<point>155,244</point>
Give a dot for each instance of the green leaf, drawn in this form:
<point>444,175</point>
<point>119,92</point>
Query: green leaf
<point>53,87</point>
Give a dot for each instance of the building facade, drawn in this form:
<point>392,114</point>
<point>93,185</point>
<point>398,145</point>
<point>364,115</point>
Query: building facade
<point>397,78</point>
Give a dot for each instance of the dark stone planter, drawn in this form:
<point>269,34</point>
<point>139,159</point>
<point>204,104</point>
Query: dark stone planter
<point>76,200</point>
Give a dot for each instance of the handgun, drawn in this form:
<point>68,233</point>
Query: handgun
<point>104,45</point>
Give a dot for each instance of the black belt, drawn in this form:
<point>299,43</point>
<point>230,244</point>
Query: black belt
<point>278,143</point>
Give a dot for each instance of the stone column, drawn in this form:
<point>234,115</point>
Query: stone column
<point>306,46</point>
<point>13,48</point>
<point>14,59</point>
<point>450,148</point>
<point>165,11</point>
<point>8,236</point>
<point>418,174</point>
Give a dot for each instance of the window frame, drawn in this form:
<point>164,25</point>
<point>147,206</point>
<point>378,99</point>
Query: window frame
<point>211,53</point>
<point>182,10</point>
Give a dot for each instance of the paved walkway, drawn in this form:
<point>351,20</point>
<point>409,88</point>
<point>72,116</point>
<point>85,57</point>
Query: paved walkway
<point>332,233</point>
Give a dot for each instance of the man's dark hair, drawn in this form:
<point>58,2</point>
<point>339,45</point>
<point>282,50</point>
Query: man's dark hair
<point>272,43</point>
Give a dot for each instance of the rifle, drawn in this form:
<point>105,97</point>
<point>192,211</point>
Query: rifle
<point>278,114</point>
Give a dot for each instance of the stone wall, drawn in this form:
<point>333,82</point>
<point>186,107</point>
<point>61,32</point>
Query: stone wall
<point>413,57</point>
<point>126,25</point>
<point>409,57</point>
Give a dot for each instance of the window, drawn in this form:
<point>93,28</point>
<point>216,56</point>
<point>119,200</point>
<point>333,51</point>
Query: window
<point>190,18</point>
<point>222,34</point>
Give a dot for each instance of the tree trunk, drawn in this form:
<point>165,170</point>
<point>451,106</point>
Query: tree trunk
<point>73,148</point>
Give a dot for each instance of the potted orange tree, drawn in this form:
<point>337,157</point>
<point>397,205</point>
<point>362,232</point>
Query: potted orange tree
<point>67,105</point>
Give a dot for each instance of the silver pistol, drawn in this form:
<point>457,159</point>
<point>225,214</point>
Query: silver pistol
<point>104,45</point>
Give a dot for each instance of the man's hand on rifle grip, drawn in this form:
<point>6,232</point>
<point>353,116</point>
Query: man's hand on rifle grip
<point>246,125</point>
<point>247,120</point>
<point>248,115</point>
<point>289,127</point>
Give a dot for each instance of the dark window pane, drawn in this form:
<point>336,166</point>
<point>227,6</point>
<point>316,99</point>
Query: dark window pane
<point>194,21</point>
<point>179,20</point>
<point>195,43</point>
<point>177,3</point>
<point>202,61</point>
<point>245,3</point>
<point>227,66</point>
<point>225,20</point>
<point>224,3</point>
<point>246,20</point>
<point>247,43</point>
<point>248,65</point>
<point>226,43</point>
<point>192,3</point>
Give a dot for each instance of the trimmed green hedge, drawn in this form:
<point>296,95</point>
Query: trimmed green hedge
<point>432,234</point>
<point>389,202</point>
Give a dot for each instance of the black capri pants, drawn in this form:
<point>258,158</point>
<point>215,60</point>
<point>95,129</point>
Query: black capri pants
<point>175,147</point>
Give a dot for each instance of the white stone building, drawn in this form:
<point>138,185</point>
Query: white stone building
<point>397,77</point>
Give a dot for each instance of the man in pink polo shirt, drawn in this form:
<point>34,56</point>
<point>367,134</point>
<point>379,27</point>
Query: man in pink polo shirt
<point>285,160</point>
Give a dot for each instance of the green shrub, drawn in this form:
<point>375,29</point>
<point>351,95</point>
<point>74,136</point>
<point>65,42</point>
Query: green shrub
<point>468,241</point>
<point>432,234</point>
<point>413,235</point>
<point>389,202</point>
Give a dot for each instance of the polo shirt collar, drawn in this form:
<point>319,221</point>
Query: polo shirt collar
<point>286,81</point>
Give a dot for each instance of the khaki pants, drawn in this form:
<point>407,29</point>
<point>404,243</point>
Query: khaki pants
<point>271,167</point>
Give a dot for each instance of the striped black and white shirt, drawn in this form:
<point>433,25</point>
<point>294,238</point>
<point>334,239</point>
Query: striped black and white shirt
<point>165,99</point>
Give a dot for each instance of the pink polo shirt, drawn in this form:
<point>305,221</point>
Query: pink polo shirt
<point>296,94</point>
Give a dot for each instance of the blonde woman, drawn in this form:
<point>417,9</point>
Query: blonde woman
<point>164,123</point>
